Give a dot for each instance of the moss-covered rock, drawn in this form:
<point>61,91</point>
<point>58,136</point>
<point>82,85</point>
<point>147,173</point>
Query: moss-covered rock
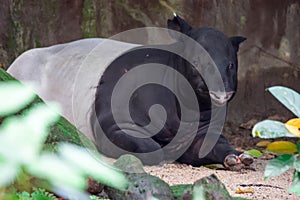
<point>141,185</point>
<point>130,163</point>
<point>213,188</point>
<point>182,192</point>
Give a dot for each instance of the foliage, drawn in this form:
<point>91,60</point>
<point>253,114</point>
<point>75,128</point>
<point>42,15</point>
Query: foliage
<point>93,197</point>
<point>270,129</point>
<point>274,129</point>
<point>42,194</point>
<point>254,153</point>
<point>37,194</point>
<point>23,164</point>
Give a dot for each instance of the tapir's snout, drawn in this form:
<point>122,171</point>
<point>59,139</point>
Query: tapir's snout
<point>220,98</point>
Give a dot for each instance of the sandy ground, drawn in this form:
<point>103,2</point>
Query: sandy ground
<point>273,188</point>
<point>269,189</point>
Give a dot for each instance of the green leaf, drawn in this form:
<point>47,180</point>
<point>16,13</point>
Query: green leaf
<point>214,166</point>
<point>298,146</point>
<point>14,97</point>
<point>295,189</point>
<point>279,165</point>
<point>90,163</point>
<point>8,173</point>
<point>26,135</point>
<point>270,129</point>
<point>42,194</point>
<point>297,165</point>
<point>282,147</point>
<point>24,196</point>
<point>288,97</point>
<point>254,153</point>
<point>57,172</point>
<point>296,178</point>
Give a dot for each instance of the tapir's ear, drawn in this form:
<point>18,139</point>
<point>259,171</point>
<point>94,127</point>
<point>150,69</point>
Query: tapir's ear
<point>236,41</point>
<point>178,24</point>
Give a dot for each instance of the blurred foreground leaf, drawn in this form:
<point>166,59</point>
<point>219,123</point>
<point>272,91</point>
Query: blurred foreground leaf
<point>22,137</point>
<point>279,165</point>
<point>64,168</point>
<point>87,161</point>
<point>295,189</point>
<point>288,97</point>
<point>14,97</point>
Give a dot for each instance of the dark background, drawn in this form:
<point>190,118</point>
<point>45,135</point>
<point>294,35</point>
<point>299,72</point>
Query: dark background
<point>270,56</point>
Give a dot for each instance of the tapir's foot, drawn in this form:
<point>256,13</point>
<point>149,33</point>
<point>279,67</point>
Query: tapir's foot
<point>236,163</point>
<point>246,159</point>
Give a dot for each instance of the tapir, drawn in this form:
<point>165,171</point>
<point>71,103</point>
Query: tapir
<point>157,102</point>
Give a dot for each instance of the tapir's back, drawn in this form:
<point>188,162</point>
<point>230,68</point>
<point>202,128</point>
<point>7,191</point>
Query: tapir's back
<point>66,73</point>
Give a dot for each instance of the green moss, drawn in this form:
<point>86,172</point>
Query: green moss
<point>52,6</point>
<point>37,42</point>
<point>243,20</point>
<point>89,15</point>
<point>15,30</point>
<point>135,12</point>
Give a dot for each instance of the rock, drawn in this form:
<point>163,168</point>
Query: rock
<point>129,163</point>
<point>183,192</point>
<point>141,185</point>
<point>213,188</point>
<point>208,188</point>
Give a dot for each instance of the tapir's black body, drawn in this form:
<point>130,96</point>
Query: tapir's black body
<point>223,51</point>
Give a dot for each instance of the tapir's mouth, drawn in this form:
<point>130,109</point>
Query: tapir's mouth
<point>220,98</point>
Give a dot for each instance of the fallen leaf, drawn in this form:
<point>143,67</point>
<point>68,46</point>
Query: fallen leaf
<point>254,153</point>
<point>282,147</point>
<point>244,190</point>
<point>263,143</point>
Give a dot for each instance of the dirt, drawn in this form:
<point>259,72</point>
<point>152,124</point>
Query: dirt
<point>247,180</point>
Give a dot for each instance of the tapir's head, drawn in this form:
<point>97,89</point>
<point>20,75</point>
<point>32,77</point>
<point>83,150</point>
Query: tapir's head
<point>222,50</point>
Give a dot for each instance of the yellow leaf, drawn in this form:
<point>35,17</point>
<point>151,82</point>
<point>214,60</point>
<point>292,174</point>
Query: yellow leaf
<point>282,147</point>
<point>257,134</point>
<point>293,126</point>
<point>245,190</point>
<point>294,122</point>
<point>263,143</point>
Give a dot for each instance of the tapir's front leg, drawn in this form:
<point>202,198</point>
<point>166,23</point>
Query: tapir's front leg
<point>222,153</point>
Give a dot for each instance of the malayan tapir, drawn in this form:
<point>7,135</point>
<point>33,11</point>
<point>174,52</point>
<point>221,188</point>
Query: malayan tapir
<point>82,78</point>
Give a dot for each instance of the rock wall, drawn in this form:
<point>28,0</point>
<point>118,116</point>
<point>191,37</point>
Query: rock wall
<point>270,56</point>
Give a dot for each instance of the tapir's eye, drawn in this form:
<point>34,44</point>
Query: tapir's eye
<point>230,66</point>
